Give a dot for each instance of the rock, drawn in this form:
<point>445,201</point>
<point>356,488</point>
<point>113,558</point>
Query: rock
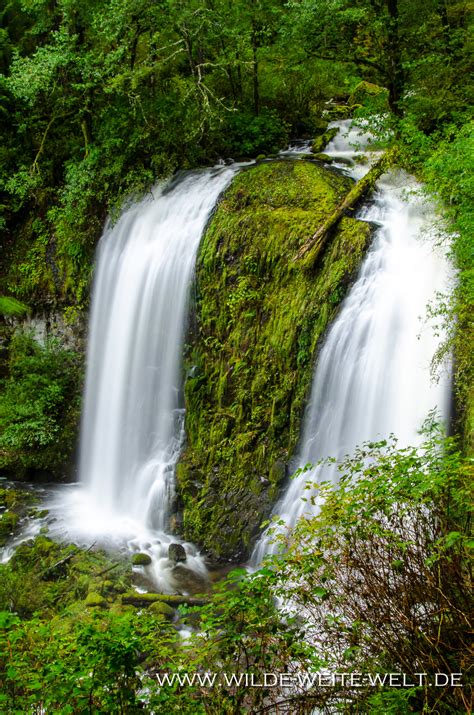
<point>163,609</point>
<point>176,553</point>
<point>141,559</point>
<point>95,599</point>
<point>319,143</point>
<point>255,314</point>
<point>188,581</point>
<point>176,523</point>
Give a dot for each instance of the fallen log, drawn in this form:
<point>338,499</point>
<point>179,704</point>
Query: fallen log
<point>141,600</point>
<point>314,245</point>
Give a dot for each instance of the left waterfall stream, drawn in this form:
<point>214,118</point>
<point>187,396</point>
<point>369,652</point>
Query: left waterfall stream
<point>133,416</point>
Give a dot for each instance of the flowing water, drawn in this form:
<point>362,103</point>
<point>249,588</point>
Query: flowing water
<point>132,428</point>
<point>372,376</point>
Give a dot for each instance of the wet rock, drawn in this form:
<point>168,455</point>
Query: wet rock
<point>176,553</point>
<point>144,600</point>
<point>141,559</point>
<point>185,580</point>
<point>319,143</point>
<point>324,157</point>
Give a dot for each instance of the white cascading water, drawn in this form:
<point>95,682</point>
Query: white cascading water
<point>372,376</point>
<point>132,428</point>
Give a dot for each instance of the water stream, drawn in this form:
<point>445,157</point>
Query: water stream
<point>372,376</point>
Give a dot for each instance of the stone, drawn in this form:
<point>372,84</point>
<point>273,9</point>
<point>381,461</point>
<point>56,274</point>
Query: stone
<point>176,553</point>
<point>141,559</point>
<point>324,157</point>
<point>95,599</point>
<point>162,609</point>
<point>185,580</point>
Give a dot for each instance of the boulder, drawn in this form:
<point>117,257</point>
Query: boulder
<point>186,580</point>
<point>162,609</point>
<point>95,599</point>
<point>177,553</point>
<point>141,559</point>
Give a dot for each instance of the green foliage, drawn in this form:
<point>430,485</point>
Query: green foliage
<point>377,581</point>
<point>38,405</point>
<point>251,135</point>
<point>11,307</point>
<point>88,664</point>
<point>383,569</point>
<point>448,171</point>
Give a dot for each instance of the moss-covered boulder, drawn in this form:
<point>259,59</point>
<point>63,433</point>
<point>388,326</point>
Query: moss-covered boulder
<point>141,559</point>
<point>159,608</point>
<point>251,349</point>
<point>95,599</point>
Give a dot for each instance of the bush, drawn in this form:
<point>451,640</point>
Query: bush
<point>38,405</point>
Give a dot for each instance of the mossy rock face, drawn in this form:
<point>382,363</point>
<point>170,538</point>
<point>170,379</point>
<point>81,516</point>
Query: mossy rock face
<point>323,157</point>
<point>251,348</point>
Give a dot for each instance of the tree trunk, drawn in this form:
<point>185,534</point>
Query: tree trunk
<point>314,245</point>
<point>256,91</point>
<point>395,69</point>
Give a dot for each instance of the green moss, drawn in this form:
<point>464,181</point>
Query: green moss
<point>8,523</point>
<point>141,559</point>
<point>16,498</point>
<point>48,578</point>
<point>159,608</point>
<point>366,92</point>
<point>319,143</point>
<point>39,407</point>
<point>250,355</point>
<point>95,599</point>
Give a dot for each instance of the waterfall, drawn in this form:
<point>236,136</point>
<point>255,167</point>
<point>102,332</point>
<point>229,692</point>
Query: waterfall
<point>372,376</point>
<point>133,417</point>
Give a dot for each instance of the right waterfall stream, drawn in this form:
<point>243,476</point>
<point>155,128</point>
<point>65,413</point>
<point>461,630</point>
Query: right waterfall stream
<point>372,376</point>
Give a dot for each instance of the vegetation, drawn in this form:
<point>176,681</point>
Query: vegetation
<point>39,406</point>
<point>377,582</point>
